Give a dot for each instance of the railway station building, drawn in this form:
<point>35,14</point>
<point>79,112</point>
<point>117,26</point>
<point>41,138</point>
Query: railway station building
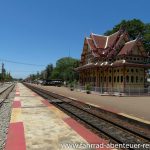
<point>113,62</point>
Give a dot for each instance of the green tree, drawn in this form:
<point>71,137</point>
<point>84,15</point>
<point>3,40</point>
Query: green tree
<point>65,69</point>
<point>48,71</point>
<point>134,27</point>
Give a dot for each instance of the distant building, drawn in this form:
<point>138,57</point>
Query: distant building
<point>113,62</point>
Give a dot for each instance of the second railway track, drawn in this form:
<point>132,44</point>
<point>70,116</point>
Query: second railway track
<point>120,131</point>
<point>4,93</point>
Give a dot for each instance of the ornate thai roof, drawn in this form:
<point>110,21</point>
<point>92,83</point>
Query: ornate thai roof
<point>127,48</point>
<point>109,46</point>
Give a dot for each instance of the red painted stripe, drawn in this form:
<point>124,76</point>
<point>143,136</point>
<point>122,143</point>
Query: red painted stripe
<point>45,102</point>
<point>15,138</point>
<point>16,104</point>
<point>89,136</point>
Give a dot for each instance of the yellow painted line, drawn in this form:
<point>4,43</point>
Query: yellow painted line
<point>72,98</point>
<point>135,118</point>
<point>93,105</point>
<point>61,95</point>
<point>16,115</point>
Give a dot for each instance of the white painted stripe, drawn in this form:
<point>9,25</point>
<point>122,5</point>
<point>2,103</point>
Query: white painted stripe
<point>72,98</point>
<point>135,118</point>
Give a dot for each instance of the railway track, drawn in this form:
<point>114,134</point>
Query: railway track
<point>120,129</point>
<point>6,98</point>
<point>4,93</point>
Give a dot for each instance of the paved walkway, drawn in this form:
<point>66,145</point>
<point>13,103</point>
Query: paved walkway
<point>134,107</point>
<point>37,125</point>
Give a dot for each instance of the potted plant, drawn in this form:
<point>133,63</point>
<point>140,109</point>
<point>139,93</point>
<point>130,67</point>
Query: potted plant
<point>88,88</point>
<point>71,87</point>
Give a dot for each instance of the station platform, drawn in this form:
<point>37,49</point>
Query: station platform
<point>132,107</point>
<point>37,125</point>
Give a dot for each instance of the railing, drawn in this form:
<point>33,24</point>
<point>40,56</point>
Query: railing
<point>116,91</point>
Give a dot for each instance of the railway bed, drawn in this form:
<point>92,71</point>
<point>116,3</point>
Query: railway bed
<point>116,127</point>
<point>6,96</point>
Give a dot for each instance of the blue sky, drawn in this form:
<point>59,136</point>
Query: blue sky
<point>42,31</point>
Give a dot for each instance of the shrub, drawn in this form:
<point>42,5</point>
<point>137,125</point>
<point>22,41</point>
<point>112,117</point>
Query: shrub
<point>88,88</point>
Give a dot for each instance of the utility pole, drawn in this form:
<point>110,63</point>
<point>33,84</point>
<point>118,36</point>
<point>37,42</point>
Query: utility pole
<point>3,70</point>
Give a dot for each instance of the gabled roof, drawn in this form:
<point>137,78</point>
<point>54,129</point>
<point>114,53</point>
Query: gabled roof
<point>127,48</point>
<point>99,40</point>
<point>90,43</point>
<point>108,46</point>
<point>112,38</point>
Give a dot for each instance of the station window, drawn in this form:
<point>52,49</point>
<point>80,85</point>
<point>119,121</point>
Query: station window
<point>132,79</point>
<point>101,79</point>
<point>132,70</point>
<point>134,58</point>
<point>127,70</point>
<point>127,79</point>
<point>136,70</point>
<point>109,78</point>
<point>118,70</point>
<point>114,79</point>
<point>115,70</point>
<point>118,79</point>
<point>137,79</point>
<point>109,71</point>
<point>121,78</point>
<point>138,59</point>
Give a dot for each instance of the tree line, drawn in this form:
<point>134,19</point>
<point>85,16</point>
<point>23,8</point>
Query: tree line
<point>63,70</point>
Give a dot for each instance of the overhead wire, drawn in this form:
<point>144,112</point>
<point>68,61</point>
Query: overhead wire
<point>21,63</point>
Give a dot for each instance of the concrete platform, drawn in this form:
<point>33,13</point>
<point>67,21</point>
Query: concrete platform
<point>37,125</point>
<point>132,107</point>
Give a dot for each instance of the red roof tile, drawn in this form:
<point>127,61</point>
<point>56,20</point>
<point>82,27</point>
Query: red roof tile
<point>127,48</point>
<point>91,43</point>
<point>112,38</point>
<point>99,40</point>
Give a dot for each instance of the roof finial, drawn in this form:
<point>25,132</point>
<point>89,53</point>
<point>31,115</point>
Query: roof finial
<point>139,37</point>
